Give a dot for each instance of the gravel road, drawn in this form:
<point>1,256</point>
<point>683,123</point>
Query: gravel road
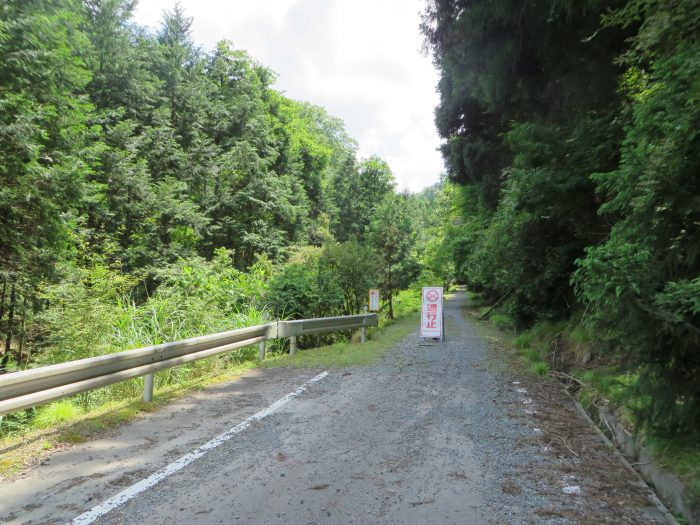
<point>444,433</point>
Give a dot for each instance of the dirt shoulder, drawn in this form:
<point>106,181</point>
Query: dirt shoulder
<point>596,485</point>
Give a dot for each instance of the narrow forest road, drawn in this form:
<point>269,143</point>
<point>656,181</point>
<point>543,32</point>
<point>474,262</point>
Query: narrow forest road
<point>427,434</point>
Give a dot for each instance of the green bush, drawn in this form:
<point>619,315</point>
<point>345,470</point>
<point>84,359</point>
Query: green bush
<point>642,282</point>
<point>523,340</point>
<point>303,292</point>
<point>502,321</point>
<point>612,384</point>
<point>353,266</point>
<point>540,369</point>
<point>407,301</point>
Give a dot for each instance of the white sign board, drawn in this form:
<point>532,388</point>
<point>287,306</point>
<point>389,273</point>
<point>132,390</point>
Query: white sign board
<point>431,312</point>
<point>374,300</point>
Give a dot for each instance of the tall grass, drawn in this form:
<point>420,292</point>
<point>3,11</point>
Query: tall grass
<point>55,413</point>
<point>94,312</point>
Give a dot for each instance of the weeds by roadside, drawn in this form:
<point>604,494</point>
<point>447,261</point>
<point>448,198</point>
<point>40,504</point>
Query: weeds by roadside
<point>349,353</point>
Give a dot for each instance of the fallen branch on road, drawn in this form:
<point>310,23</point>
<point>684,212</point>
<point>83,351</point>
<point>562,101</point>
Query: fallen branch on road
<point>570,449</point>
<point>562,375</point>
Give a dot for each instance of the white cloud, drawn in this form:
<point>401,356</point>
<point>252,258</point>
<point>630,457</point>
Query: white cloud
<point>359,59</point>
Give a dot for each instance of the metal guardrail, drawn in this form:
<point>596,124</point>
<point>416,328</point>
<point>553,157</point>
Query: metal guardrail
<point>324,324</point>
<point>28,388</point>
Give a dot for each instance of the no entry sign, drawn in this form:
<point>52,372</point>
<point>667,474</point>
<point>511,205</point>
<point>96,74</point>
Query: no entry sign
<point>431,313</point>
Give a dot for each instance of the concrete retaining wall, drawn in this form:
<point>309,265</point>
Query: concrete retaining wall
<point>667,484</point>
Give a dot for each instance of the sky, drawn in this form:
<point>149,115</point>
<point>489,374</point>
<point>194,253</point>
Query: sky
<point>359,59</point>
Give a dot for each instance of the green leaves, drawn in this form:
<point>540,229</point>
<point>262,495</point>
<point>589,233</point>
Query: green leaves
<point>305,291</point>
<point>358,190</point>
<point>577,128</point>
<point>392,235</point>
<point>642,281</point>
<point>43,126</point>
<point>354,266</point>
<point>152,189</point>
<point>527,110</point>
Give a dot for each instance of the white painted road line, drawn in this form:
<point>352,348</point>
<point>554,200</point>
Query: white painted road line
<point>143,485</point>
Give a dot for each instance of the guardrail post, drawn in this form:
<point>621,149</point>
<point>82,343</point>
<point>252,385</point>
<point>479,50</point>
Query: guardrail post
<point>261,347</point>
<point>363,333</point>
<point>148,388</point>
<point>292,344</point>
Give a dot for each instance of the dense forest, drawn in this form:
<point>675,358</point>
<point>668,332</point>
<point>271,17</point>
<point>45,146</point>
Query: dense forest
<point>572,131</point>
<point>151,190</point>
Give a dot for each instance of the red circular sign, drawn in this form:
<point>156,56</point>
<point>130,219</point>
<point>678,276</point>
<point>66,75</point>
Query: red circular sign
<point>432,296</point>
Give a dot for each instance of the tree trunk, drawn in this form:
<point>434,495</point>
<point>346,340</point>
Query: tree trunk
<point>2,299</point>
<point>485,315</point>
<point>391,307</point>
<point>36,307</point>
<point>8,339</point>
<point>21,328</point>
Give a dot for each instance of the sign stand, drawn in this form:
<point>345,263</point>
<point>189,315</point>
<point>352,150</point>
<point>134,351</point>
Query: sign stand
<point>432,325</point>
<point>443,320</point>
<point>374,300</point>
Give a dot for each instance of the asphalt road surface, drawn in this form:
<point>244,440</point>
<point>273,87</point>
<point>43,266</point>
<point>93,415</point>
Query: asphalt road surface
<point>443,433</point>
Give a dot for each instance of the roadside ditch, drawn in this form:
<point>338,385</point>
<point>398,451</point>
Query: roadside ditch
<point>553,358</point>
